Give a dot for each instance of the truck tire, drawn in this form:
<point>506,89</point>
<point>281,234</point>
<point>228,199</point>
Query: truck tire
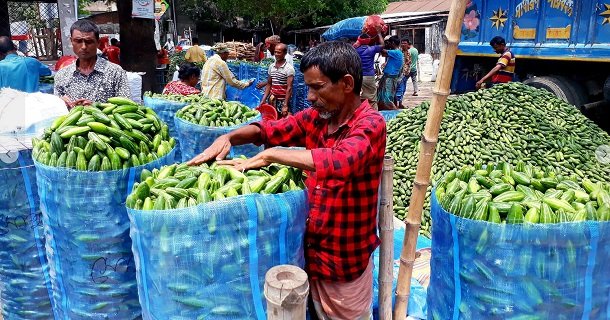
<point>577,91</point>
<point>607,89</point>
<point>552,85</point>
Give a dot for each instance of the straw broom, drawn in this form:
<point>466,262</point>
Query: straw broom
<point>424,165</point>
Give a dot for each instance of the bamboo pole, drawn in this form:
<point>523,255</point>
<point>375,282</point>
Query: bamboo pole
<point>426,155</point>
<point>386,233</point>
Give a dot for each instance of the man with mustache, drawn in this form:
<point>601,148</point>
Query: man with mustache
<point>89,79</point>
<point>344,142</point>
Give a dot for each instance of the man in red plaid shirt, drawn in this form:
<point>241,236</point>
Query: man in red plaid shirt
<point>345,144</point>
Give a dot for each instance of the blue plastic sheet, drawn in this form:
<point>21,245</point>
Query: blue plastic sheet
<point>210,261</point>
<point>250,96</point>
<point>196,138</point>
<point>349,28</point>
<point>24,286</point>
<point>482,270</point>
<point>390,114</point>
<point>417,299</point>
<point>86,225</point>
<point>45,88</point>
<point>166,110</point>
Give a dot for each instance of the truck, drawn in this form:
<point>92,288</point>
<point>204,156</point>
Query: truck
<point>562,46</point>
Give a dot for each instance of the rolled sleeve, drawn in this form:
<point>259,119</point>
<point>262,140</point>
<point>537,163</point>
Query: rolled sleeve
<point>230,77</point>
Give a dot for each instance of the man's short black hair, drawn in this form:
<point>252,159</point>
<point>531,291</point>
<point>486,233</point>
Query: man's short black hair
<point>114,41</point>
<point>195,40</point>
<point>405,39</point>
<point>497,41</point>
<point>85,26</point>
<point>335,59</point>
<point>395,40</point>
<point>6,45</point>
<point>187,70</point>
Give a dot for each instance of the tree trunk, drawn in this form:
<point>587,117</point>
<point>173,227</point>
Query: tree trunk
<point>138,50</point>
<point>5,26</point>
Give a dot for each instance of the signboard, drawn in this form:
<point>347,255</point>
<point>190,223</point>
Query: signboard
<point>143,9</point>
<point>160,7</point>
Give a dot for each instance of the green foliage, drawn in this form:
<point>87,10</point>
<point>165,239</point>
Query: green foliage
<point>281,13</point>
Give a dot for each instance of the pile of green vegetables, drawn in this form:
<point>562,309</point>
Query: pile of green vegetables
<point>192,98</point>
<point>507,123</point>
<point>523,194</point>
<point>179,185</point>
<point>217,113</point>
<point>114,135</point>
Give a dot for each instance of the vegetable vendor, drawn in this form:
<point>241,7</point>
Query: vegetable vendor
<point>188,77</point>
<point>504,71</point>
<point>90,78</point>
<point>279,80</point>
<point>216,75</point>
<point>345,144</point>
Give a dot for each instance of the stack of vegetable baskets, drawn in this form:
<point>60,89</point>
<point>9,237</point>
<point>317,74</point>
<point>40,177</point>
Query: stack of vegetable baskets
<point>519,242</point>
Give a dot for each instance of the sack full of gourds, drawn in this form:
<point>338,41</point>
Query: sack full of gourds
<point>199,124</point>
<point>24,279</point>
<point>86,163</point>
<point>204,237</point>
<point>166,106</point>
<point>519,243</point>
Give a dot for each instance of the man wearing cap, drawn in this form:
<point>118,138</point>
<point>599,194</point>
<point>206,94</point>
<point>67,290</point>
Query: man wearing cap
<point>216,74</point>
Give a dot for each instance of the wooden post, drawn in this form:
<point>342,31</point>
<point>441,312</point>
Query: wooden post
<point>386,233</point>
<point>424,165</point>
<point>286,291</point>
<point>67,16</point>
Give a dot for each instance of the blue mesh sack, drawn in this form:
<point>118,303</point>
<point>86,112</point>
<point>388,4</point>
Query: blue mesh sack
<point>196,138</point>
<point>417,297</point>
<point>482,270</point>
<point>250,96</point>
<point>88,246</point>
<point>24,282</point>
<point>209,261</point>
<point>166,110</point>
<point>349,28</point>
<point>390,114</point>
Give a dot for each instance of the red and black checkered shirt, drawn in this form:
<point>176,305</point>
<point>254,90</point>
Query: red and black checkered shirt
<point>343,189</point>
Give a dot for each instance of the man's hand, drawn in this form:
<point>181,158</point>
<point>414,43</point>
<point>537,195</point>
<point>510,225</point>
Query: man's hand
<point>217,151</point>
<point>479,84</point>
<point>285,111</point>
<point>261,85</point>
<point>79,102</point>
<point>258,161</point>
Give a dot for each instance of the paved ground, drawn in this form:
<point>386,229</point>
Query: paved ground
<point>424,94</point>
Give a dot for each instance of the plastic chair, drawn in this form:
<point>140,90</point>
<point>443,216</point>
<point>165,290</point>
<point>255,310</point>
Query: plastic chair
<point>267,111</point>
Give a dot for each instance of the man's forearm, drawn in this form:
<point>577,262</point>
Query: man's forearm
<point>491,73</point>
<point>244,135</point>
<point>288,96</point>
<point>301,159</point>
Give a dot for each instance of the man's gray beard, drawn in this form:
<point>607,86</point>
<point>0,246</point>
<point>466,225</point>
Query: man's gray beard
<point>325,115</point>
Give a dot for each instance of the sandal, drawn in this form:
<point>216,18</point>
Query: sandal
<point>415,94</point>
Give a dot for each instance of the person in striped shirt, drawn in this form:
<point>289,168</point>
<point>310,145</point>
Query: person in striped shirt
<point>279,82</point>
<point>504,71</point>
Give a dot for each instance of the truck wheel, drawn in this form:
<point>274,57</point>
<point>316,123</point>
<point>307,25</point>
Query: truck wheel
<point>552,85</point>
<point>577,91</point>
<point>607,89</point>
